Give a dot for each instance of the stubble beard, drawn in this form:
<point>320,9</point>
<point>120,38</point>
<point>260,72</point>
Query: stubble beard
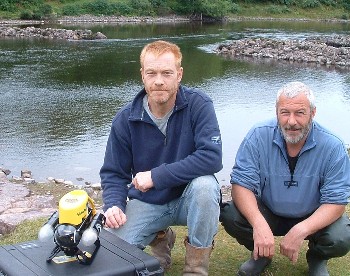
<point>295,139</point>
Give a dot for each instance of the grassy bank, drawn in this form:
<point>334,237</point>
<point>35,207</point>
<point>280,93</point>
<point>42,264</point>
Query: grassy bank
<point>51,9</point>
<point>226,257</point>
<point>225,260</point>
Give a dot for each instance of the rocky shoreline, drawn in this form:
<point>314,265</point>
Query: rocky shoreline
<point>327,50</point>
<point>22,198</point>
<point>50,33</point>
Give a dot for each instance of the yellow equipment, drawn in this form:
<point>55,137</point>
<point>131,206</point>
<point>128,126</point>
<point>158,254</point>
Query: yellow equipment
<point>73,207</point>
<point>76,220</point>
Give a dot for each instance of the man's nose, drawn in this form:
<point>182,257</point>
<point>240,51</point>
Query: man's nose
<point>159,79</point>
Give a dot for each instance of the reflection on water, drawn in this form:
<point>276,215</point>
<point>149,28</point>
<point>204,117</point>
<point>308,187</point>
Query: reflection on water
<point>57,98</point>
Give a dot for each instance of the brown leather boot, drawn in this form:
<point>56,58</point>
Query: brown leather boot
<point>197,259</point>
<point>161,247</point>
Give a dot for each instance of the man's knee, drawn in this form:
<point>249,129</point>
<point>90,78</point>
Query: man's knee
<point>205,187</point>
<point>232,220</point>
<point>334,240</point>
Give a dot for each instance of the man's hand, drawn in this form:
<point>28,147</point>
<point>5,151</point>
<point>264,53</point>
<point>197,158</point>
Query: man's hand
<point>264,241</point>
<point>291,243</point>
<point>143,181</point>
<point>115,217</point>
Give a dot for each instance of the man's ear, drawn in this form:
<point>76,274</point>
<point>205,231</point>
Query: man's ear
<point>180,74</point>
<point>313,113</point>
<point>141,72</point>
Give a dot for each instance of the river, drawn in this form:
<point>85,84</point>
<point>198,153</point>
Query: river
<point>57,98</point>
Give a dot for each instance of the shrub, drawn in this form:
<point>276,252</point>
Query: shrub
<point>26,15</point>
<point>346,6</point>
<point>142,7</point>
<point>99,7</point>
<point>235,8</point>
<point>310,3</point>
<point>122,8</point>
<point>71,10</point>
<point>43,11</point>
<point>8,6</point>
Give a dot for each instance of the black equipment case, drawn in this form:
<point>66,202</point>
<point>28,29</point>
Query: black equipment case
<point>114,257</point>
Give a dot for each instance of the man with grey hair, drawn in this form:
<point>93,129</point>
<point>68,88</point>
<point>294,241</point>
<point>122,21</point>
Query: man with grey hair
<point>291,178</point>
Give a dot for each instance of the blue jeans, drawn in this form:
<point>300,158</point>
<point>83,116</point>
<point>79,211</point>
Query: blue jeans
<point>198,208</point>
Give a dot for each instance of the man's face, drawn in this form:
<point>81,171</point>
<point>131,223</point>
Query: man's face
<point>294,118</point>
<point>161,78</point>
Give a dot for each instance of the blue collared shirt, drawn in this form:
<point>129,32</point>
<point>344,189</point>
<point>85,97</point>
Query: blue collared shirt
<point>321,175</point>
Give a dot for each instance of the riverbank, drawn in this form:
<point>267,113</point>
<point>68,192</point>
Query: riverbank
<point>91,19</point>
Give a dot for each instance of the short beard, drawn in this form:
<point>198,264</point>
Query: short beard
<point>297,139</point>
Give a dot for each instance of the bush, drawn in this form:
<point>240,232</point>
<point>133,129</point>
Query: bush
<point>122,8</point>
<point>332,3</point>
<point>71,10</point>
<point>235,8</point>
<point>142,7</point>
<point>274,9</point>
<point>99,7</point>
<point>26,15</point>
<point>310,4</point>
<point>346,6</point>
<point>8,6</point>
<point>43,11</point>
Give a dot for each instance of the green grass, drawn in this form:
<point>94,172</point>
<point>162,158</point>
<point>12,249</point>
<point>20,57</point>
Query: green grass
<point>244,9</point>
<point>225,259</point>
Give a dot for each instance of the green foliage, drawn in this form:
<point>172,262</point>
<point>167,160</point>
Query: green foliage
<point>206,8</point>
<point>276,9</point>
<point>8,5</point>
<point>71,10</point>
<point>160,7</point>
<point>214,8</point>
<point>98,7</point>
<point>26,15</point>
<point>328,2</point>
<point>142,7</point>
<point>346,6</point>
<point>309,4</point>
<point>235,8</point>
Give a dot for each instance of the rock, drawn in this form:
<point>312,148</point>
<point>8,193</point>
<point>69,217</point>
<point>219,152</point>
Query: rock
<point>17,205</point>
<point>50,33</point>
<point>5,171</point>
<point>3,177</point>
<point>68,182</point>
<point>226,193</point>
<point>59,180</point>
<point>329,51</point>
<point>26,174</point>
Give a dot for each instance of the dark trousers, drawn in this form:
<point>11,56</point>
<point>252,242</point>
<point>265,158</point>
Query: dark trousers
<point>330,242</point>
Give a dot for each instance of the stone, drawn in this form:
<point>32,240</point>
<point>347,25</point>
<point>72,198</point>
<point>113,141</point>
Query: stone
<point>26,174</point>
<point>17,205</point>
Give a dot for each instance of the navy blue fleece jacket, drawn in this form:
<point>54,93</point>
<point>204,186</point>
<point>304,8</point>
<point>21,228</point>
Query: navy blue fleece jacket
<point>191,148</point>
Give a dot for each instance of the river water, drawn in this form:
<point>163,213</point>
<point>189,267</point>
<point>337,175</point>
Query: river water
<point>57,98</point>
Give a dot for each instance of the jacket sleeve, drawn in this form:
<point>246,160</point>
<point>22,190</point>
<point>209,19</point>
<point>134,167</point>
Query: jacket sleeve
<point>335,188</point>
<point>115,172</point>
<point>206,159</point>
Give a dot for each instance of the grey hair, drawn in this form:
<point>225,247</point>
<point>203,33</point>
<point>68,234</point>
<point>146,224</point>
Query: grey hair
<point>295,88</point>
